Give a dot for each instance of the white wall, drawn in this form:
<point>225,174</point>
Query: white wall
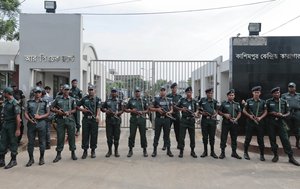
<point>49,35</point>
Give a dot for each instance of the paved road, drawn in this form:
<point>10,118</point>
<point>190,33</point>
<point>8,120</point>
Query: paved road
<point>143,173</point>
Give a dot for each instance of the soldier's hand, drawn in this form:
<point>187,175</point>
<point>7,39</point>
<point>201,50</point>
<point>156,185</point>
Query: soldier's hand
<point>37,116</point>
<point>205,113</point>
<point>134,111</point>
<point>18,133</point>
<point>184,109</point>
<point>85,110</point>
<point>160,111</point>
<point>227,116</point>
<point>279,114</point>
<point>67,113</point>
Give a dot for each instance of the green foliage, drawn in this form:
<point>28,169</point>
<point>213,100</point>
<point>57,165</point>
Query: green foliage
<point>8,19</point>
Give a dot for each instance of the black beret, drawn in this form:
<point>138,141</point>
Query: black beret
<point>188,89</point>
<point>209,90</point>
<point>39,83</point>
<point>256,88</point>
<point>230,91</point>
<point>162,88</point>
<point>114,89</point>
<point>91,86</point>
<point>292,84</point>
<point>137,89</point>
<point>173,85</point>
<point>73,80</point>
<point>275,89</point>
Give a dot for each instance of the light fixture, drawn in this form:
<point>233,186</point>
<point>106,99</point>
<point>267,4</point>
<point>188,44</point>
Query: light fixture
<point>254,28</point>
<point>50,6</point>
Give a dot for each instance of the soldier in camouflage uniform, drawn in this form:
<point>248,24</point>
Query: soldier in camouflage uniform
<point>20,97</point>
<point>36,113</point>
<point>113,108</point>
<point>11,128</point>
<point>65,106</point>
<point>278,110</point>
<point>175,97</point>
<point>90,107</point>
<point>76,93</point>
<point>256,110</point>
<point>209,110</point>
<point>293,99</point>
<point>231,112</point>
<point>188,106</point>
<point>138,108</point>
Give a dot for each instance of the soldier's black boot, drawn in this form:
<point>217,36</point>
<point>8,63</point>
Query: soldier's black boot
<point>2,161</point>
<point>93,153</point>
<point>222,155</point>
<point>212,152</point>
<point>12,163</point>
<point>42,161</point>
<point>73,155</point>
<point>181,153</point>
<point>235,155</point>
<point>204,154</point>
<point>297,143</point>
<point>130,153</point>
<point>262,157</point>
<point>84,154</point>
<point>193,154</point>
<point>31,160</point>
<point>154,153</point>
<point>246,155</point>
<point>164,147</point>
<point>293,161</point>
<point>109,152</point>
<point>58,157</point>
<point>275,158</point>
<point>145,152</point>
<point>169,153</point>
<point>116,151</point>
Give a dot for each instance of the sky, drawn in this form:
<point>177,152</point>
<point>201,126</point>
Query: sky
<point>199,35</point>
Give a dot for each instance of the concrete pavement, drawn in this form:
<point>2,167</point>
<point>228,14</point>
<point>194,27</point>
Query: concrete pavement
<point>142,173</point>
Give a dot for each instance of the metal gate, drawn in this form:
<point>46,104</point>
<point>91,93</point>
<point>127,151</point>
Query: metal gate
<point>149,75</point>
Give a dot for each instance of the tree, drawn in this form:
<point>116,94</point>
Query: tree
<point>8,19</point>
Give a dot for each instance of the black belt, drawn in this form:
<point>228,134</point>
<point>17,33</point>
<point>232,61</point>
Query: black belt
<point>188,117</point>
<point>89,117</point>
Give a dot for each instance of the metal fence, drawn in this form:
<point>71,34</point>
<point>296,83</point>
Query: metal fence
<point>125,75</point>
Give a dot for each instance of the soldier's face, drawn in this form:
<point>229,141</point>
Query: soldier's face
<point>137,94</point>
<point>256,94</point>
<point>114,94</point>
<point>38,94</point>
<point>291,89</point>
<point>231,96</point>
<point>66,91</point>
<point>91,92</point>
<point>276,94</point>
<point>189,94</point>
<point>162,92</point>
<point>74,83</point>
<point>210,94</point>
<point>174,89</point>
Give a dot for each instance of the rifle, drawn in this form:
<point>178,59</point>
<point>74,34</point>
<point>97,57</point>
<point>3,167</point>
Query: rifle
<point>89,111</point>
<point>168,114</point>
<point>212,117</point>
<point>255,121</point>
<point>110,111</point>
<point>61,110</point>
<point>32,118</point>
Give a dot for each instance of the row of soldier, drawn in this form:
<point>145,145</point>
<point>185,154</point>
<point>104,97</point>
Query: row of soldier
<point>167,109</point>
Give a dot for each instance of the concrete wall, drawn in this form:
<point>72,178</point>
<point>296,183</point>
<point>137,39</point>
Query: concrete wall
<point>49,42</point>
